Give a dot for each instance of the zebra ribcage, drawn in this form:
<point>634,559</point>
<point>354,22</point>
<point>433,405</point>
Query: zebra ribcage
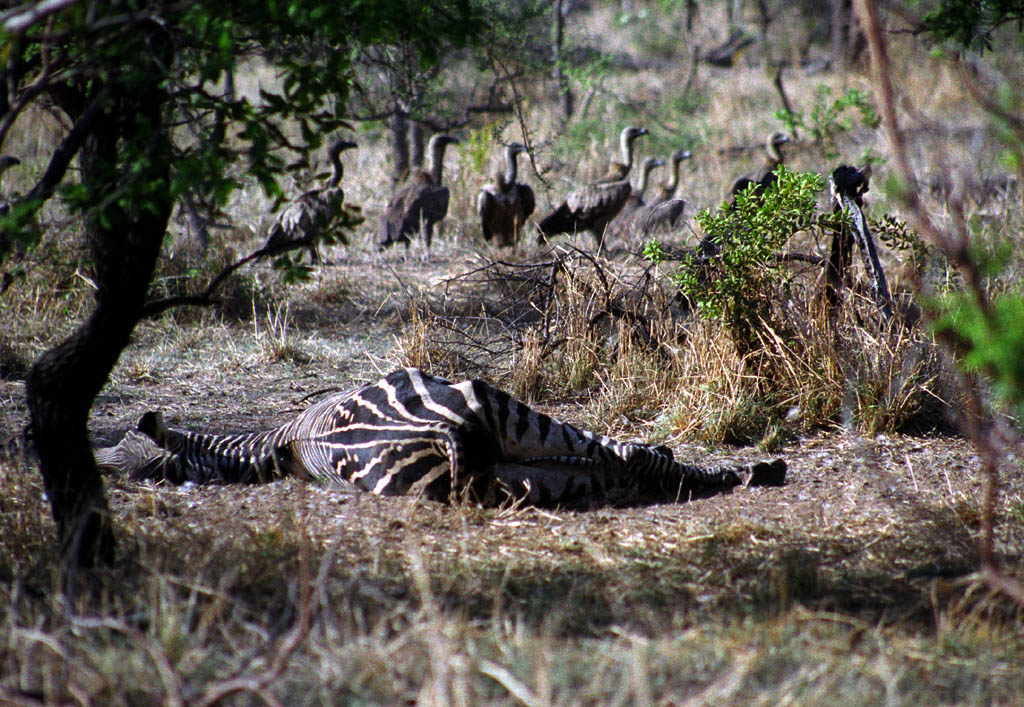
<point>246,458</point>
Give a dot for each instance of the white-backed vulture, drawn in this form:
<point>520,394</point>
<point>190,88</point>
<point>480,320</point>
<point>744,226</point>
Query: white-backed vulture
<point>766,176</point>
<point>304,220</point>
<point>420,203</point>
<point>621,226</point>
<point>592,207</point>
<point>665,210</point>
<point>504,205</point>
<point>668,189</point>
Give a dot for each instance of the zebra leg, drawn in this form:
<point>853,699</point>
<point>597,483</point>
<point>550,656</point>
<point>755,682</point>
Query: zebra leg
<point>617,470</point>
<point>428,460</point>
<point>686,478</point>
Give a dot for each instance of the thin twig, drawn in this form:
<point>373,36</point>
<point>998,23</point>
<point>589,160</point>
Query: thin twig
<point>205,298</point>
<point>977,421</point>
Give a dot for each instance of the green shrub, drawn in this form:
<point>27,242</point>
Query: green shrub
<point>989,339</point>
<point>739,287</point>
<point>789,367</point>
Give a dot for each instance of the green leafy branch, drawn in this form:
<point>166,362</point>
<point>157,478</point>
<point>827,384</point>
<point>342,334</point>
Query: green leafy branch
<point>829,119</point>
<point>738,285</point>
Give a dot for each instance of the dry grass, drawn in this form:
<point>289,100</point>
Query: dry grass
<point>851,584</point>
<point>861,590</point>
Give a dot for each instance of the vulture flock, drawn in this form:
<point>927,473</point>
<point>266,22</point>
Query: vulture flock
<point>610,208</point>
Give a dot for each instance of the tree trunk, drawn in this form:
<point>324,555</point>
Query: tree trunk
<point>416,144</point>
<point>399,146</point>
<point>125,240</point>
<point>734,13</point>
<point>564,91</point>
<point>691,13</point>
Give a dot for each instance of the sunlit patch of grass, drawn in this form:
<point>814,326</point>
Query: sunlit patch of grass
<point>416,346</point>
<point>273,336</point>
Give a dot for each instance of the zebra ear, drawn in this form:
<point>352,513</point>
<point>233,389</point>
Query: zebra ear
<point>152,425</point>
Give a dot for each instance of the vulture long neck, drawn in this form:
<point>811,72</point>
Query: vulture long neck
<point>775,157</point>
<point>619,171</point>
<point>626,147</point>
<point>511,168</point>
<point>641,185</point>
<point>673,180</point>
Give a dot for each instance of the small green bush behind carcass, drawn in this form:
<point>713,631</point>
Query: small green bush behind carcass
<point>740,285</point>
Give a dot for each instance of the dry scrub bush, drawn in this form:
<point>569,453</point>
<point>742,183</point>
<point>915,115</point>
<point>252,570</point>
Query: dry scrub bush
<point>819,374</point>
<point>527,371</point>
<point>272,335</point>
<point>568,323</point>
<point>547,328</point>
<point>797,360</point>
<point>414,346</point>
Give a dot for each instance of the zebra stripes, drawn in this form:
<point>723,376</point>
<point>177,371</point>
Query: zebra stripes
<point>413,433</point>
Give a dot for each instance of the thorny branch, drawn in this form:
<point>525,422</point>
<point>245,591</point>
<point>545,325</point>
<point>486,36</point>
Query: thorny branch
<point>207,296</point>
<point>517,109</point>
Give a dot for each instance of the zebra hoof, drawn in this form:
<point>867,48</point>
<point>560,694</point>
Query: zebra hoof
<point>768,474</point>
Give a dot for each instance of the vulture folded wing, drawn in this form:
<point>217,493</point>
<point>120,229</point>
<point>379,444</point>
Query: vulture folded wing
<point>432,202</point>
<point>599,201</point>
<point>527,203</point>
<point>487,210</point>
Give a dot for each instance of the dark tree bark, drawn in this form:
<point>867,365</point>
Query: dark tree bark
<point>846,38</point>
<point>691,14</point>
<point>561,80</point>
<point>406,139</point>
<point>397,126</point>
<point>125,240</point>
<point>416,144</point>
